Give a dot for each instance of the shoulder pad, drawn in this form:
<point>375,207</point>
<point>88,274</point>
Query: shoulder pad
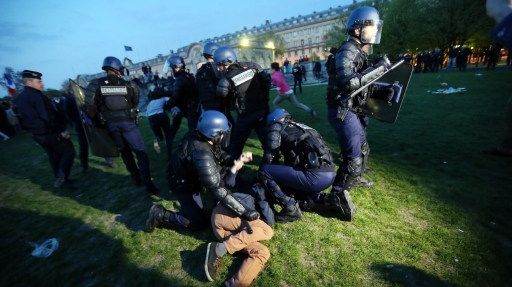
<point>206,167</point>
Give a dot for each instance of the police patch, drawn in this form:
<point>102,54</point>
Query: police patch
<point>243,77</point>
<point>114,90</point>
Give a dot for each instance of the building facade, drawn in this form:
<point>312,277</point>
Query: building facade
<point>302,35</point>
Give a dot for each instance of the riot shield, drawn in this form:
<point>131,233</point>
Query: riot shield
<point>387,109</point>
<point>99,140</point>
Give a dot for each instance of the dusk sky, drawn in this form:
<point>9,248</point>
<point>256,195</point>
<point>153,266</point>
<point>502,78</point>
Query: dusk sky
<point>64,38</point>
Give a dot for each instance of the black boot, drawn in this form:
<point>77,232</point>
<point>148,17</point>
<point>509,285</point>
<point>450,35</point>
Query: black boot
<point>151,188</point>
<point>136,179</point>
<point>155,218</point>
<point>354,175</point>
<point>356,181</point>
<point>290,212</point>
<point>161,217</point>
<point>343,203</point>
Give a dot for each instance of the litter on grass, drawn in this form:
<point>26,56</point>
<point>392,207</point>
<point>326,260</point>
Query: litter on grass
<point>449,90</point>
<point>45,249</point>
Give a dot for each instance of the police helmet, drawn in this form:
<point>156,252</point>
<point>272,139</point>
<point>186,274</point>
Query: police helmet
<point>212,125</point>
<point>112,63</point>
<point>224,56</point>
<point>174,62</point>
<point>277,115</point>
<point>363,17</point>
<point>209,49</point>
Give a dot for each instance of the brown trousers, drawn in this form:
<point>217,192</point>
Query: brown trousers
<point>229,229</point>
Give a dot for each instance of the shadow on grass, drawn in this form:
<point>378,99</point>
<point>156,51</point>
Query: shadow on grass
<point>103,190</point>
<point>85,255</point>
<point>403,275</point>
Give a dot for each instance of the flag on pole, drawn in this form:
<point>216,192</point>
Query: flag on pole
<point>128,48</point>
<point>9,83</point>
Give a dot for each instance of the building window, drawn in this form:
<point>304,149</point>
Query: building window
<point>295,53</point>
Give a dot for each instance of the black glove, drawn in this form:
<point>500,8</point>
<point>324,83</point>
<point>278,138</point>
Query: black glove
<point>382,61</point>
<point>250,215</point>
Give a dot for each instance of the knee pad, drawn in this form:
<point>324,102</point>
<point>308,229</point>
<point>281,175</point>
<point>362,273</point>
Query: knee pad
<point>365,149</point>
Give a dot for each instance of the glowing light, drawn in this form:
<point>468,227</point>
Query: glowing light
<point>245,42</point>
<point>270,45</point>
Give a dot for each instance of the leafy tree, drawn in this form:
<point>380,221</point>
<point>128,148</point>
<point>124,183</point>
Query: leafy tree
<point>410,25</point>
<point>51,93</point>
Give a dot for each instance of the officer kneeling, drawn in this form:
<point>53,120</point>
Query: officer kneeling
<point>200,163</point>
<point>307,170</point>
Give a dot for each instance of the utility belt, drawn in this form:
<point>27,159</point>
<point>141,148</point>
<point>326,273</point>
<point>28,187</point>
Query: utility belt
<point>346,105</point>
<point>311,160</point>
<point>119,115</point>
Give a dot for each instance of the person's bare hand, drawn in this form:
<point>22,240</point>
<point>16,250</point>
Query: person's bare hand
<point>237,165</point>
<point>246,157</point>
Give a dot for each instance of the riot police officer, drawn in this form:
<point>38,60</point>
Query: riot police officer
<point>183,95</point>
<point>352,72</point>
<point>47,124</point>
<point>207,78</point>
<point>201,163</point>
<point>248,85</point>
<point>307,168</point>
<point>112,102</point>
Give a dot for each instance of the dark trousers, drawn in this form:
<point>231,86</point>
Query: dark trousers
<point>128,139</point>
<point>351,137</point>
<point>176,123</point>
<point>295,83</point>
<point>244,125</point>
<point>351,133</point>
<point>189,208</point>
<point>305,183</point>
<point>61,153</point>
<point>161,126</point>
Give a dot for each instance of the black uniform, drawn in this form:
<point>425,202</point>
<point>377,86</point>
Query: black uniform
<point>249,86</point>
<point>352,72</point>
<point>207,79</point>
<point>308,164</point>
<point>198,166</point>
<point>183,96</point>
<point>112,102</point>
<point>297,78</point>
<point>41,117</point>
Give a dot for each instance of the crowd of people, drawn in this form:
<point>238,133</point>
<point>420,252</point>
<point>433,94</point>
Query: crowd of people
<point>297,165</point>
<point>458,57</point>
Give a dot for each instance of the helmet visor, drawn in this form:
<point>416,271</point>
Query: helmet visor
<point>370,34</point>
<point>166,67</point>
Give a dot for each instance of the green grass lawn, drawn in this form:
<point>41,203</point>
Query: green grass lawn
<point>439,213</point>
